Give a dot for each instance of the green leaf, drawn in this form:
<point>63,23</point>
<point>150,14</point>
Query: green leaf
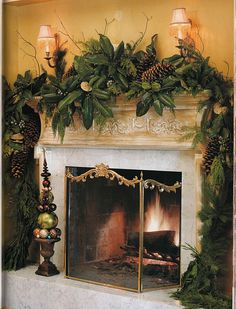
<point>27,94</point>
<point>166,100</point>
<point>158,107</point>
<point>102,108</point>
<point>156,86</point>
<point>142,108</point>
<point>119,52</point>
<point>55,121</point>
<point>97,59</point>
<point>52,98</point>
<point>146,86</point>
<point>101,94</point>
<point>70,98</point>
<point>87,112</point>
<point>83,68</point>
<point>106,46</point>
<point>151,49</point>
<point>100,82</point>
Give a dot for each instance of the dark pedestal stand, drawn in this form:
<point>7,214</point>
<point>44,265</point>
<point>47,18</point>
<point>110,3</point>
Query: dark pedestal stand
<point>47,268</point>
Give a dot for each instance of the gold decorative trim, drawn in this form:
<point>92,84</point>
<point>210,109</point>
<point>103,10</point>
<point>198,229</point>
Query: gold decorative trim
<point>102,170</point>
<point>151,184</point>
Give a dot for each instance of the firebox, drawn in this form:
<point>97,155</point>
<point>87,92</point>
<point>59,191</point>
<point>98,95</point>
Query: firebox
<point>123,227</point>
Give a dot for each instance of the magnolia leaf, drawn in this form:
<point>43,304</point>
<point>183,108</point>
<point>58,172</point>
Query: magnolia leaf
<point>87,111</point>
<point>106,46</point>
<point>158,107</point>
<point>166,100</point>
<point>102,108</point>
<point>97,59</point>
<point>69,99</point>
<point>119,52</point>
<point>142,108</point>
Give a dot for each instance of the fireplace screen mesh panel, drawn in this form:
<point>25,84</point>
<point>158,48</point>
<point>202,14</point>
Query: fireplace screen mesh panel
<point>120,237</point>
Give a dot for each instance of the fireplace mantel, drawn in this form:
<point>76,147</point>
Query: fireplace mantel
<point>127,131</point>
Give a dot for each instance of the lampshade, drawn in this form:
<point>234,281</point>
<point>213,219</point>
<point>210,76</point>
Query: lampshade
<point>45,32</point>
<point>179,17</point>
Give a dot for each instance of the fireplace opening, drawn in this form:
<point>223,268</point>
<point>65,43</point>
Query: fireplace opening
<point>123,231</point>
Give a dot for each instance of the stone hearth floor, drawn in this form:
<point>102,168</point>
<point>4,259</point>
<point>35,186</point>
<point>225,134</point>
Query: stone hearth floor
<point>23,289</point>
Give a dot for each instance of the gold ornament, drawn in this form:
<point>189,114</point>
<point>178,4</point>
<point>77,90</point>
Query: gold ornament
<point>218,109</point>
<point>47,220</point>
<point>85,86</point>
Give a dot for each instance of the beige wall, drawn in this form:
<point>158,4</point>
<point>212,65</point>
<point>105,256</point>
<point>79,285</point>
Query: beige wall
<point>84,17</point>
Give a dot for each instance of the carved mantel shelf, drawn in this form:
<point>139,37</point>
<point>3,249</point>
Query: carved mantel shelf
<point>127,131</point>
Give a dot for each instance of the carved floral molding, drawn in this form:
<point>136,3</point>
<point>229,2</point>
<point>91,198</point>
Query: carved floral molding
<point>126,130</point>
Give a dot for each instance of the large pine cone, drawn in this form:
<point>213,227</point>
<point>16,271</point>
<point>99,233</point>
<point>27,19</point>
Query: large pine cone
<point>18,163</point>
<point>31,130</point>
<point>144,64</point>
<point>157,72</point>
<point>212,151</point>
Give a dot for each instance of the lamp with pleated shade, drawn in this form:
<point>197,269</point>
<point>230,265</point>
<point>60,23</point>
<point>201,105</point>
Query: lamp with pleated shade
<point>46,39</point>
<point>180,25</point>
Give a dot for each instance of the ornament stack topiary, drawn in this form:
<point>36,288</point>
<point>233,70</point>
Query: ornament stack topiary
<point>47,219</point>
<point>47,232</point>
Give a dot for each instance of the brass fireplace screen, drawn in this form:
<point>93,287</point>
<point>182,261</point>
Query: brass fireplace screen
<point>123,230</point>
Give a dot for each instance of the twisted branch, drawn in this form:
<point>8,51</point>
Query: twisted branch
<point>34,55</point>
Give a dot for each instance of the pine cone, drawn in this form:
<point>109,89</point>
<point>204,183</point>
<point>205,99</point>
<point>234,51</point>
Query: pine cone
<point>157,72</point>
<point>18,163</point>
<point>212,151</point>
<point>144,64</point>
<point>31,130</point>
<point>70,72</point>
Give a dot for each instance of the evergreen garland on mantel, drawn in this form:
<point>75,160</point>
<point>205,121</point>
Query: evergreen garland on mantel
<point>94,79</point>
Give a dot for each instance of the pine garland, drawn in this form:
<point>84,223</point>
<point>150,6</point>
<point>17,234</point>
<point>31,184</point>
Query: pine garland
<point>24,199</point>
<point>201,284</point>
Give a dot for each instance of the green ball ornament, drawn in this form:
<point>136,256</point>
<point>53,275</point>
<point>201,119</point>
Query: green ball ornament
<point>47,220</point>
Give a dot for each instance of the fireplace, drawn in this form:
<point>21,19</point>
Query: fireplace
<point>127,143</point>
<point>123,227</point>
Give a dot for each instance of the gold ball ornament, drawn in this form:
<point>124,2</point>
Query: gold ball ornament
<point>47,220</point>
<point>43,233</point>
<point>36,232</point>
<point>85,86</point>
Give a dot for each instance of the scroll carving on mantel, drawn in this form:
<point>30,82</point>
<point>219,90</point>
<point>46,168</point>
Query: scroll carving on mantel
<point>126,130</point>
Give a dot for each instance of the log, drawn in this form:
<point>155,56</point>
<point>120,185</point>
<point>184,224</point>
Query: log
<point>161,242</point>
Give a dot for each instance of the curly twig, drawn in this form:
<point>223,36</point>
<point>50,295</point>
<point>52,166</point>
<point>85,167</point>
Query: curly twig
<point>142,33</point>
<point>34,56</point>
<point>66,33</point>
<point>198,33</point>
<point>107,24</point>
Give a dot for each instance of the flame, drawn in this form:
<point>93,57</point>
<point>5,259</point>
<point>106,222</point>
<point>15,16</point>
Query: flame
<point>157,219</point>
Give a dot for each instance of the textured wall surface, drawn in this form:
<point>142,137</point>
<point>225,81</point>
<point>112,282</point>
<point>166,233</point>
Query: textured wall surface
<point>83,18</point>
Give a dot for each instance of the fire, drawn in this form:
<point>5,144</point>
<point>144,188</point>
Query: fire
<point>158,219</point>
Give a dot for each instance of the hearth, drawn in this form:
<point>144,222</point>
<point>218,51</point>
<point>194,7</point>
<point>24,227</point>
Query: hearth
<point>123,227</point>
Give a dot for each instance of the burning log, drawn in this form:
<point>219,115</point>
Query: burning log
<point>158,242</point>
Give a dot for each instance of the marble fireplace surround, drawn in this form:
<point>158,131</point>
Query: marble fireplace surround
<point>149,142</point>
